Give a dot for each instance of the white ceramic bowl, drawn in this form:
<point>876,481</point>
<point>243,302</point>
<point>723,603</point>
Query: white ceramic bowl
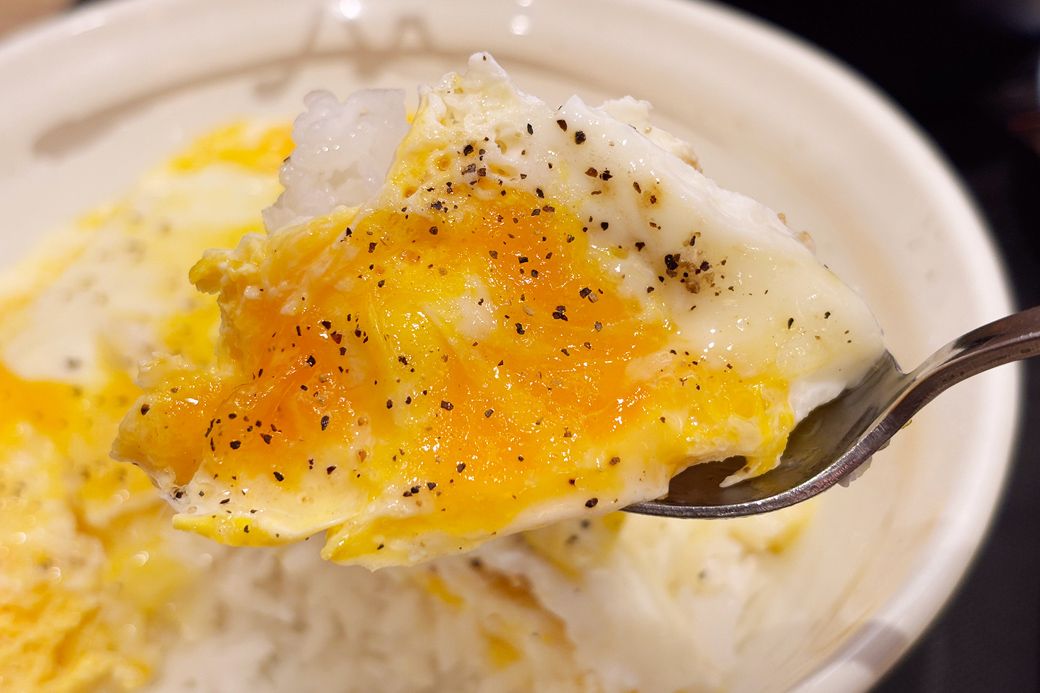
<point>96,98</point>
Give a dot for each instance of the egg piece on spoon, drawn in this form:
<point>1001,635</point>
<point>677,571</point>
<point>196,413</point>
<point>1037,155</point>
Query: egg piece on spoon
<point>535,314</point>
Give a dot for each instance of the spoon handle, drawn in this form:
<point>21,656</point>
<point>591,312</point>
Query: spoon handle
<point>1012,338</point>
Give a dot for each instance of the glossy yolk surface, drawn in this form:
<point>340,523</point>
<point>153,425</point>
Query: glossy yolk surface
<point>463,366</point>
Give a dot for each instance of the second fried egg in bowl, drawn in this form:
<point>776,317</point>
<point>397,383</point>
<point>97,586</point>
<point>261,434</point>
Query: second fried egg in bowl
<point>895,209</point>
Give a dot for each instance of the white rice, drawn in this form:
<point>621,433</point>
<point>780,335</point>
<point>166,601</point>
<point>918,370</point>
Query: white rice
<point>343,151</point>
<point>662,608</point>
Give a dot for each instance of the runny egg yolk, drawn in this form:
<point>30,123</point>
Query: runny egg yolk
<point>417,385</point>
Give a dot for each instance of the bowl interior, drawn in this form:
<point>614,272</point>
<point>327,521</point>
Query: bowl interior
<point>107,93</point>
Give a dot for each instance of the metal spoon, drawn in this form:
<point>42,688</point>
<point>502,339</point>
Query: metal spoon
<point>840,436</point>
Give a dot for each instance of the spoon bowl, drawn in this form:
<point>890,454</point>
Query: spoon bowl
<point>836,440</point>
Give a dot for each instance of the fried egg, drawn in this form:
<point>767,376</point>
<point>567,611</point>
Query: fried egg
<point>537,313</point>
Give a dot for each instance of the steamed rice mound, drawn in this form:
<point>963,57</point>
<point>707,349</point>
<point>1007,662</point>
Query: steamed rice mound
<point>632,604</point>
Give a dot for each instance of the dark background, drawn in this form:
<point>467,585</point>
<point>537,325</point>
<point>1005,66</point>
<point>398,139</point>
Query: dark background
<point>966,71</point>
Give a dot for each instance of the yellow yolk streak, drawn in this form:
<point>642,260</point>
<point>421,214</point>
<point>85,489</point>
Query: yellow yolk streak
<point>464,370</point>
<point>73,593</point>
<point>90,571</point>
<point>260,149</point>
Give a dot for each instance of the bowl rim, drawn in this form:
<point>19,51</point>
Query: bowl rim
<point>917,602</point>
